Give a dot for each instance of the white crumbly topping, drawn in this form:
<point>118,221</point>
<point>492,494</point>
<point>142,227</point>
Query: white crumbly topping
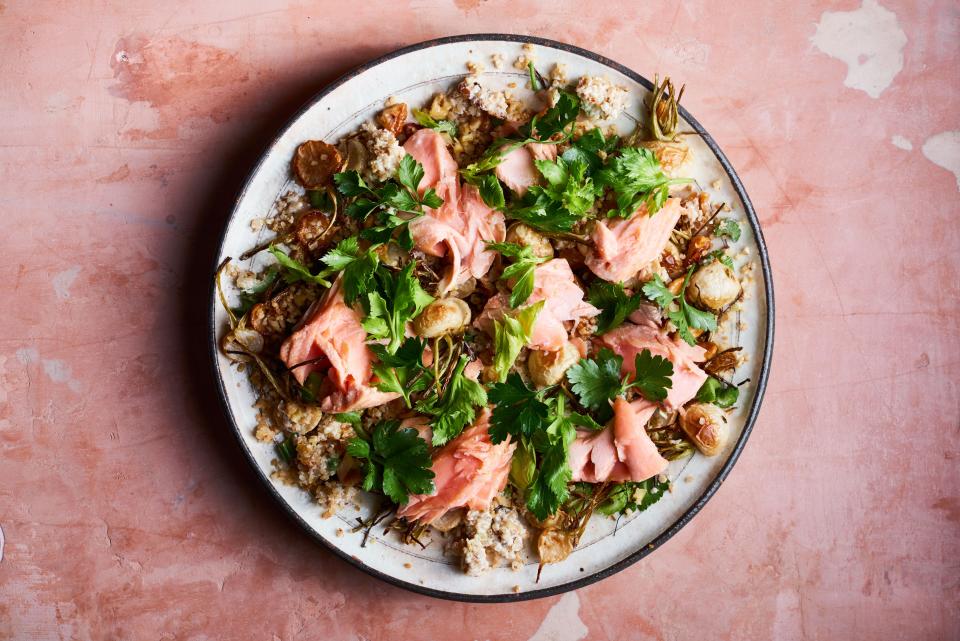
<point>558,75</point>
<point>385,152</point>
<point>602,100</point>
<point>493,535</point>
<point>522,63</point>
<point>493,102</point>
<point>246,279</point>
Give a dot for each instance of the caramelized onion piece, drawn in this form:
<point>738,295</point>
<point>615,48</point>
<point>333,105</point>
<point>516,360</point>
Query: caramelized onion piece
<point>393,117</point>
<point>315,162</point>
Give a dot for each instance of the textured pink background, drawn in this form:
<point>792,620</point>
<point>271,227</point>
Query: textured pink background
<point>128,512</point>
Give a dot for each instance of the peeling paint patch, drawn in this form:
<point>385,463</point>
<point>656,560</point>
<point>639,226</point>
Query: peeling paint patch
<point>944,150</point>
<point>562,622</point>
<point>63,280</point>
<point>901,143</point>
<point>60,372</point>
<point>869,40</point>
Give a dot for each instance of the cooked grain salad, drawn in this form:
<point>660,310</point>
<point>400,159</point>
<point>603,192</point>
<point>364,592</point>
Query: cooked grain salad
<point>496,316</point>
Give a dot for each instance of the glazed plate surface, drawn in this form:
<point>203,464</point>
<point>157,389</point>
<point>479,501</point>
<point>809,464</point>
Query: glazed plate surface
<point>413,75</point>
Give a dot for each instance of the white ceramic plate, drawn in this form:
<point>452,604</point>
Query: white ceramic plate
<point>413,75</point>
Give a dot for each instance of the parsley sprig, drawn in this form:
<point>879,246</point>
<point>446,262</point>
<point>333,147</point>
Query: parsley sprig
<point>402,372</point>
<point>521,270</point>
<point>543,429</point>
<point>293,271</point>
<point>684,316</point>
<point>570,191</point>
<point>396,299</point>
<point>456,407</point>
<point>358,267</point>
<point>395,461</point>
<point>636,179</point>
<point>614,303</point>
<point>597,381</point>
<point>396,202</point>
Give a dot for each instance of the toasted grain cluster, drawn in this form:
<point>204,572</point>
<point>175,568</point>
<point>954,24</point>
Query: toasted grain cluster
<point>601,99</point>
<point>492,537</point>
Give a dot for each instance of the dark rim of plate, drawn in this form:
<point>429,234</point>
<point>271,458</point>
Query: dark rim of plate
<point>685,517</point>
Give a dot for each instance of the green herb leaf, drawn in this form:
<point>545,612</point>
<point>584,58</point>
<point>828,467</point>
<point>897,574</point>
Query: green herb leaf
<point>554,120</point>
<point>350,184</point>
<point>591,149</point>
<point>718,392</point>
<point>685,315</point>
<point>410,173</point>
<point>540,210</point>
<point>457,408</point>
<point>286,449</point>
<point>510,334</point>
<point>522,270</point>
<point>614,303</point>
<point>635,497</point>
<point>402,372</point>
<point>491,191</point>
<point>636,179</point>
<point>518,412</point>
<point>657,291</point>
<point>728,228</point>
<point>358,267</point>
<point>585,420</point>
<point>399,195</point>
<point>652,376</point>
<point>549,489</point>
<point>541,128</point>
<point>597,381</point>
<point>431,199</point>
<point>353,418</point>
<point>294,271</point>
<point>440,126</point>
<point>398,299</point>
<point>718,254</point>
<point>396,461</point>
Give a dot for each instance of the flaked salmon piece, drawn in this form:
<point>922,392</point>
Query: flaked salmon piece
<point>469,472</point>
<point>622,247</point>
<point>621,451</point>
<point>460,228</point>
<point>517,169</point>
<point>628,340</point>
<point>439,171</point>
<point>635,449</point>
<point>330,340</point>
<point>553,283</point>
<point>646,314</point>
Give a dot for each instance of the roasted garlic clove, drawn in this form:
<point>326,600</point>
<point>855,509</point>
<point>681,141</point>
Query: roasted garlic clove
<point>706,425</point>
<point>442,317</point>
<point>713,286</point>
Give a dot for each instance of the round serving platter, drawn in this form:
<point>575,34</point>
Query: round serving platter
<point>413,75</point>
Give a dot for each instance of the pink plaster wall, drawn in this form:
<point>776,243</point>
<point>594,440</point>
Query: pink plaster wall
<point>127,511</point>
